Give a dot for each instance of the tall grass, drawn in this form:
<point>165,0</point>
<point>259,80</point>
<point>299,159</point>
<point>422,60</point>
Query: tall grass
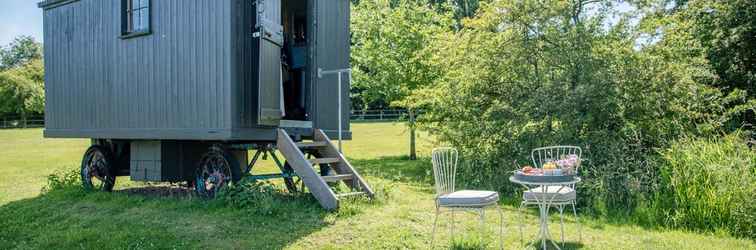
<point>711,184</point>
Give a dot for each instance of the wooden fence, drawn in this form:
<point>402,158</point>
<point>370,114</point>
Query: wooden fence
<point>17,122</point>
<point>379,115</point>
<point>356,115</point>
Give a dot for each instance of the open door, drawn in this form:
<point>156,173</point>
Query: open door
<point>269,39</point>
<point>331,53</point>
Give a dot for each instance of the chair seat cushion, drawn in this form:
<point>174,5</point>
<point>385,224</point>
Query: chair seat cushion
<point>469,198</point>
<point>554,193</point>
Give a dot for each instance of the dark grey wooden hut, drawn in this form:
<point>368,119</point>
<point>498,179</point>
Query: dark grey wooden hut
<point>189,69</point>
<point>167,89</point>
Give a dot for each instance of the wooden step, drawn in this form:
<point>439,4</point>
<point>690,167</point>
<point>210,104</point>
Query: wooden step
<point>349,194</point>
<point>336,178</point>
<point>344,167</point>
<point>314,144</point>
<point>324,161</point>
<point>303,168</point>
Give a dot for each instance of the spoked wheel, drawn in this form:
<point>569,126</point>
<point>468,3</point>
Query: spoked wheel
<point>216,169</point>
<point>293,183</point>
<point>97,171</point>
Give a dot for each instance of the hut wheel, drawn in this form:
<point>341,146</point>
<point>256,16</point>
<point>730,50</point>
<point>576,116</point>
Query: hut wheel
<point>97,171</point>
<point>215,170</point>
<point>293,183</point>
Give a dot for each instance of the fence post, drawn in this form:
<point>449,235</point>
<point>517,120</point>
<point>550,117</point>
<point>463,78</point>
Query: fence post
<point>413,154</point>
<point>381,117</point>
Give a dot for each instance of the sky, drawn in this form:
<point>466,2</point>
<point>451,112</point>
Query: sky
<point>20,17</point>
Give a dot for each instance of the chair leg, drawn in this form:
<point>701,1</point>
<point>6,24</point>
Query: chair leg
<point>501,227</point>
<point>561,223</point>
<point>580,227</point>
<point>433,232</point>
<point>522,223</point>
<point>482,221</point>
<point>451,239</point>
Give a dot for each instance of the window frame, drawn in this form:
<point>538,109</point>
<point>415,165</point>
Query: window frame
<point>127,20</point>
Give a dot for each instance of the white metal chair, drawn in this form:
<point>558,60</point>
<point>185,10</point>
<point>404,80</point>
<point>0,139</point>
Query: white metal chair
<point>444,171</point>
<point>560,196</point>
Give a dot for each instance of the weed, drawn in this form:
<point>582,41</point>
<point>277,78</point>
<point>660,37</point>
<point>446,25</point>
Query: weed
<point>62,179</point>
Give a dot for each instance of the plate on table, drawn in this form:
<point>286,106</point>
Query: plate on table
<point>542,177</point>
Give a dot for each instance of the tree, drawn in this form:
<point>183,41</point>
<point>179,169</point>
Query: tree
<point>22,90</point>
<point>724,34</point>
<point>461,8</point>
<point>390,54</point>
<point>22,50</point>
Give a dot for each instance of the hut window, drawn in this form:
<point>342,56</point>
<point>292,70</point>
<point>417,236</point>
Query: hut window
<point>136,17</point>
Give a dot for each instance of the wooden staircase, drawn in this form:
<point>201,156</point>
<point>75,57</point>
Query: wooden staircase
<point>318,185</point>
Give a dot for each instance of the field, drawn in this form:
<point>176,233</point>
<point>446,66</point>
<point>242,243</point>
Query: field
<point>151,216</point>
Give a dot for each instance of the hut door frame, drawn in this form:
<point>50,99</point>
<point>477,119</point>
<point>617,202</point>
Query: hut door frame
<point>331,53</point>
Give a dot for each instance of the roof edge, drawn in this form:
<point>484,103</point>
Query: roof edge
<point>50,4</point>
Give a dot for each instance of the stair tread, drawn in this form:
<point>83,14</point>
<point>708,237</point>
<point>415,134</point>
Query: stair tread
<point>313,144</point>
<point>324,160</point>
<point>339,177</point>
<point>350,194</point>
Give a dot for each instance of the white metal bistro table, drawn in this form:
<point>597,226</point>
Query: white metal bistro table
<point>544,204</point>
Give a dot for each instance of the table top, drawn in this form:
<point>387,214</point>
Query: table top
<point>539,183</point>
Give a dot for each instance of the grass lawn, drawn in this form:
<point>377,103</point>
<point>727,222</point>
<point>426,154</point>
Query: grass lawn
<point>400,219</point>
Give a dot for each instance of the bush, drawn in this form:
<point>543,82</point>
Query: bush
<point>62,180</point>
<point>506,89</point>
<point>711,185</point>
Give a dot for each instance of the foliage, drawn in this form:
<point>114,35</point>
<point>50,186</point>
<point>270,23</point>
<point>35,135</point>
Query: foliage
<point>711,184</point>
<point>461,8</point>
<point>261,198</point>
<point>723,34</point>
<point>22,89</point>
<point>63,179</point>
<point>22,50</point>
<point>22,78</point>
<point>389,59</point>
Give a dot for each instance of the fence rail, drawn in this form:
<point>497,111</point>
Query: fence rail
<point>356,115</point>
<point>17,122</point>
<point>378,115</point>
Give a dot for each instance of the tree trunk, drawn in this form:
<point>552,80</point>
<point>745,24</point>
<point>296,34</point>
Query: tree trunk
<point>413,153</point>
<point>23,118</point>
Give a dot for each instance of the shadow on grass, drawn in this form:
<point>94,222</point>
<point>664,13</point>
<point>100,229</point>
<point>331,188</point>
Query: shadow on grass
<point>144,217</point>
<point>397,168</point>
<point>158,191</point>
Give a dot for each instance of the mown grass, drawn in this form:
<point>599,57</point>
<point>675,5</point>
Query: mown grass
<point>148,216</point>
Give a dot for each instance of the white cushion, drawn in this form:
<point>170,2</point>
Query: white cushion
<point>553,193</point>
<point>469,198</point>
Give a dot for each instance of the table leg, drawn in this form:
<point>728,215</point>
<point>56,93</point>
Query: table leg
<point>544,233</point>
<point>544,225</point>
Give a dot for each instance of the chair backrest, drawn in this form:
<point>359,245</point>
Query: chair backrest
<point>544,155</point>
<point>444,169</point>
